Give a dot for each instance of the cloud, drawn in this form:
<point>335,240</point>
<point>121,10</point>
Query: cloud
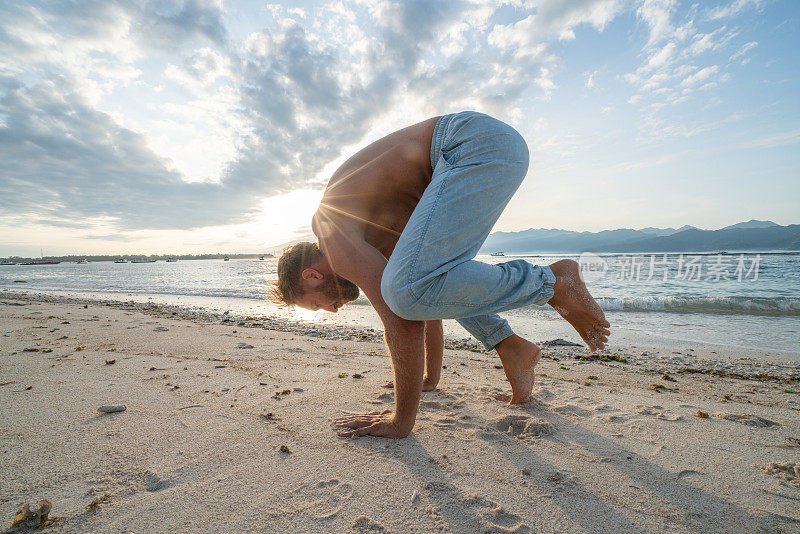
<point>699,76</point>
<point>656,13</point>
<point>271,110</point>
<point>61,158</point>
<point>740,54</point>
<point>589,76</point>
<point>789,138</point>
<point>554,18</point>
<point>731,10</point>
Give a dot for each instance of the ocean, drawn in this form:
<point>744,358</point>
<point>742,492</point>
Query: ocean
<point>748,301</point>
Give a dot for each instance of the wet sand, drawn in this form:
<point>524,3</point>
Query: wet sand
<point>227,421</point>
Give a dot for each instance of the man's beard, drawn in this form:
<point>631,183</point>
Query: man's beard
<point>340,290</point>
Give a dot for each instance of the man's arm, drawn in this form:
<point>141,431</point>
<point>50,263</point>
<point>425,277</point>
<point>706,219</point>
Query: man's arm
<point>434,351</point>
<point>354,259</point>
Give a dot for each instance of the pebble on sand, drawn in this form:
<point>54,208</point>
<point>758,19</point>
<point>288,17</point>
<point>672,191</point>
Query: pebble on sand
<point>112,408</point>
<point>29,519</point>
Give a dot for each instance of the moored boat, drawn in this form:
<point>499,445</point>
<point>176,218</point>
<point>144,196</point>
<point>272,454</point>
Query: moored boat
<point>498,254</point>
<point>121,260</point>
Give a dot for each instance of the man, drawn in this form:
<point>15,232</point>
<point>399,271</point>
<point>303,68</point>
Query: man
<point>403,219</point>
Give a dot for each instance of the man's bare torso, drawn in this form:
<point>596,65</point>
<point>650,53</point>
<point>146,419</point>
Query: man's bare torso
<point>374,192</point>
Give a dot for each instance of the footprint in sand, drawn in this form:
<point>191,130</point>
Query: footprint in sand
<point>153,482</point>
<point>658,412</point>
<point>523,427</point>
<point>323,499</point>
<point>571,409</point>
<point>448,423</point>
<point>477,513</point>
<point>364,524</point>
<point>788,474</point>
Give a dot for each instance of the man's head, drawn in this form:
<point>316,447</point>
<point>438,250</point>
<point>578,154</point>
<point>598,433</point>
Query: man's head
<point>305,279</point>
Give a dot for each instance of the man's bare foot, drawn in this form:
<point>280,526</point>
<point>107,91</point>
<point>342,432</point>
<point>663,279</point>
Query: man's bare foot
<point>573,302</point>
<point>426,385</point>
<point>519,357</point>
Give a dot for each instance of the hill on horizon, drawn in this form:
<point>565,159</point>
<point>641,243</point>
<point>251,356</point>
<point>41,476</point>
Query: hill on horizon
<point>749,235</point>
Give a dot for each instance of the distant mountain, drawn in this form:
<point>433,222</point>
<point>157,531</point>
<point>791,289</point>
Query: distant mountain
<point>658,231</point>
<point>752,223</point>
<point>751,235</point>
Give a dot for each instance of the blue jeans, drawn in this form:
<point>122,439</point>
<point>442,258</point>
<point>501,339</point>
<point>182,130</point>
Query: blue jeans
<point>478,164</point>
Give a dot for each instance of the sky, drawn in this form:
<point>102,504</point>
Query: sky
<point>212,126</point>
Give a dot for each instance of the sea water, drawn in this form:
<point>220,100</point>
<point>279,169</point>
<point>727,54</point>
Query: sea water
<point>748,301</point>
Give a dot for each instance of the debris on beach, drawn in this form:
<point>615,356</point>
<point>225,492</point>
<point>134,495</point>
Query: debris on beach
<point>560,343</point>
<point>661,387</point>
<point>746,419</point>
<point>112,408</point>
<point>28,519</point>
<point>111,362</point>
<point>787,473</point>
<point>285,449</point>
<point>95,504</point>
<point>701,414</point>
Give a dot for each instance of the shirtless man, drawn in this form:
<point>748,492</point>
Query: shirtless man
<point>403,220</point>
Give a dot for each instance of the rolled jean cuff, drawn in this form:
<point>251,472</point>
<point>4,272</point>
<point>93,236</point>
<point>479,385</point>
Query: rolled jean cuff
<point>497,336</point>
<point>548,286</point>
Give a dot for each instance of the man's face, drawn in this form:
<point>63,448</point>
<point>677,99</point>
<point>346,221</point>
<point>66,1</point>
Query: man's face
<point>332,294</point>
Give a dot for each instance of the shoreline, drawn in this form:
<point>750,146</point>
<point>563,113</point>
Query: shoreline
<point>227,427</point>
<point>722,362</point>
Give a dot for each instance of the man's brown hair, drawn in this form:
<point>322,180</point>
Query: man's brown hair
<point>288,287</point>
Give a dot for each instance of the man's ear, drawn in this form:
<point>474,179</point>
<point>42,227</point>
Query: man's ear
<point>311,274</point>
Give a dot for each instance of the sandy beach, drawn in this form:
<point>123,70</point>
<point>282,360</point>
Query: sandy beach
<point>227,428</point>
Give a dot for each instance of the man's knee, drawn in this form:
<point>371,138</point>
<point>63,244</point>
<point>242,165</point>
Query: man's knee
<point>399,299</point>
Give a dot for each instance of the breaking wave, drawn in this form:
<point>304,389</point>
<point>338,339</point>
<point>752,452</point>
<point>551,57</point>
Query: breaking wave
<point>783,306</point>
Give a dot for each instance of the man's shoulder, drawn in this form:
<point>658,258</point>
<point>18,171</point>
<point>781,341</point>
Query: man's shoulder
<point>328,224</point>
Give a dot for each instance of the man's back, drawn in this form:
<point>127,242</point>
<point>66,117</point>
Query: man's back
<point>374,192</point>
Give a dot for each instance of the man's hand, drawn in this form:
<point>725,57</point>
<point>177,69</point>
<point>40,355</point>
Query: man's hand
<point>380,424</point>
<point>427,384</point>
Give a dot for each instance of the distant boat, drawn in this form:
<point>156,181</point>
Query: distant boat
<point>121,260</point>
<point>171,260</point>
<point>41,261</point>
<point>261,258</point>
<point>142,260</point>
<point>7,263</point>
<point>498,254</point>
<point>226,258</point>
<point>82,260</point>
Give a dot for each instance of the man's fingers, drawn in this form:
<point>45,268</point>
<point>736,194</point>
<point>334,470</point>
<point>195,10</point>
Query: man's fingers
<point>354,422</point>
<point>365,430</point>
